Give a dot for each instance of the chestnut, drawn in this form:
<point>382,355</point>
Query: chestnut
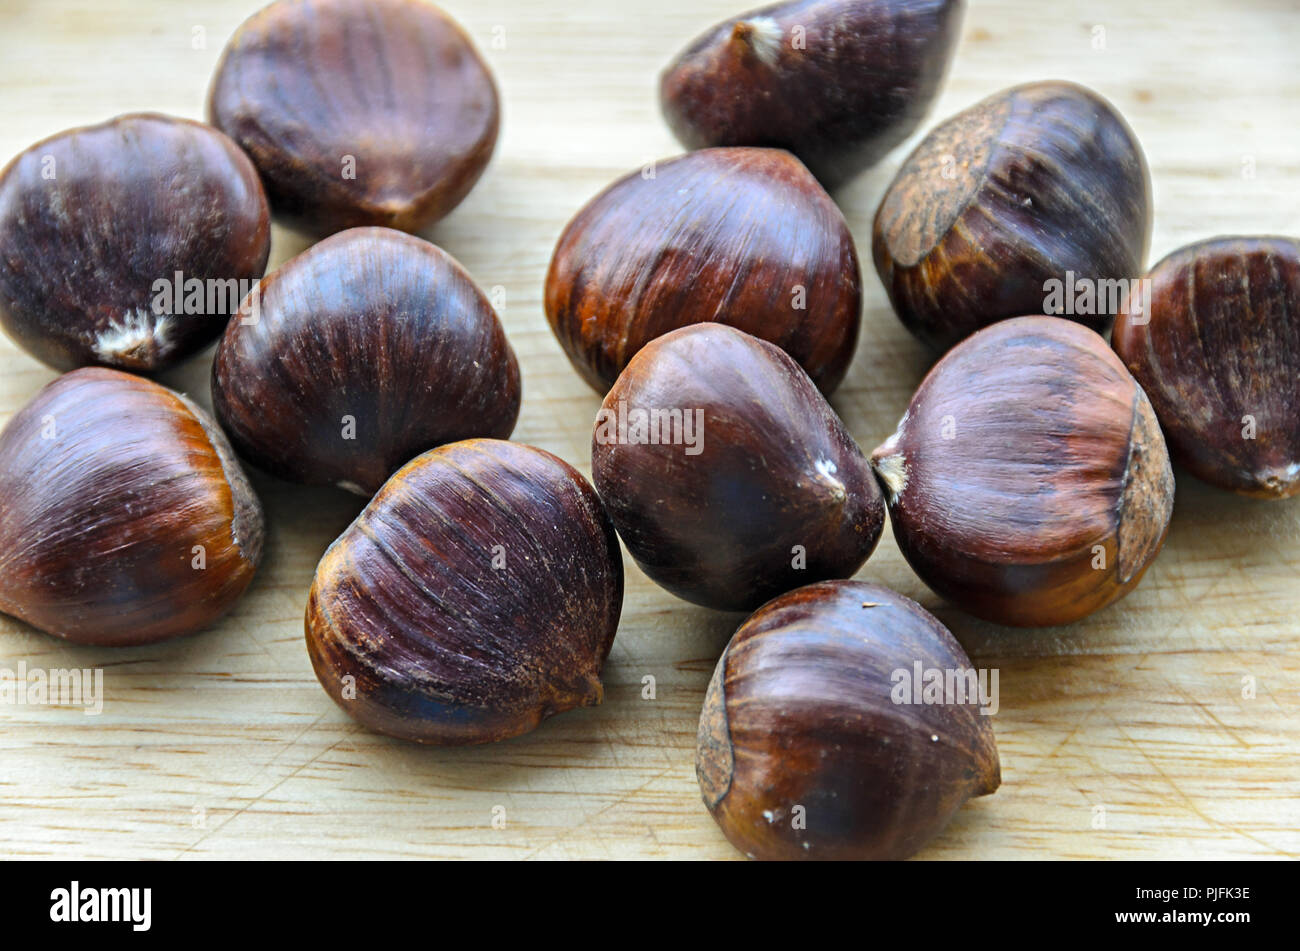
<point>124,516</point>
<point>477,594</point>
<point>363,351</point>
<point>727,474</point>
<point>1217,349</point>
<point>814,742</point>
<point>1028,482</point>
<point>837,82</point>
<point>739,236</point>
<point>357,112</point>
<point>1038,183</point>
<point>128,244</point>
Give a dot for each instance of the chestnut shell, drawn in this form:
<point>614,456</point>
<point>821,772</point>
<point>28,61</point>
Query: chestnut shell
<point>801,712</point>
<point>738,236</point>
<point>371,324</point>
<point>443,647</point>
<point>1219,354</point>
<point>91,220</point>
<point>395,85</point>
<point>837,82</point>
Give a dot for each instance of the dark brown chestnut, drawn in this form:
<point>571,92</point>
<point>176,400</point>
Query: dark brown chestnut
<point>1036,184</point>
<point>1028,482</point>
<point>128,244</point>
<point>358,112</point>
<point>744,237</point>
<point>124,517</point>
<point>815,742</point>
<point>1214,339</point>
<point>357,355</point>
<point>837,82</point>
<point>727,474</point>
<point>477,594</point>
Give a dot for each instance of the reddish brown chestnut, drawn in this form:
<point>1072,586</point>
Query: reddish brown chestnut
<point>812,742</point>
<point>837,82</point>
<point>362,352</point>
<point>1214,339</point>
<point>477,594</point>
<point>744,237</point>
<point>106,229</point>
<point>1036,184</point>
<point>358,112</point>
<point>124,517</point>
<point>1028,482</point>
<point>727,474</point>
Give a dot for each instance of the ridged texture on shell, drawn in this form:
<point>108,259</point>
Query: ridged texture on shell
<point>108,482</point>
<point>376,326</point>
<point>92,218</point>
<point>744,237</point>
<point>415,633</point>
<point>395,85</point>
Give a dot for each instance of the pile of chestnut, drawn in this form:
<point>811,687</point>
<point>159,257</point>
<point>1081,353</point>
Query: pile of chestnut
<point>714,299</point>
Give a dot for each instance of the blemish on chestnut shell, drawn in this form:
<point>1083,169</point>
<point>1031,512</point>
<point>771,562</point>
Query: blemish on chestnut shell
<point>1022,188</point>
<point>1027,454</point>
<point>800,713</point>
<point>442,646</point>
<point>737,236</point>
<point>374,325</point>
<point>1218,352</point>
<point>394,85</point>
<point>92,218</point>
<point>775,469</point>
<point>110,487</point>
<point>837,82</point>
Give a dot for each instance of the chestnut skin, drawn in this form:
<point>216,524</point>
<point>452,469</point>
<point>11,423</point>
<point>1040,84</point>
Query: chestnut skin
<point>124,516</point>
<point>476,595</point>
<point>94,218</point>
<point>811,747</point>
<point>766,492</point>
<point>358,112</point>
<point>1217,349</point>
<point>1030,185</point>
<point>1028,482</point>
<point>371,326</point>
<point>837,82</point>
<point>744,237</point>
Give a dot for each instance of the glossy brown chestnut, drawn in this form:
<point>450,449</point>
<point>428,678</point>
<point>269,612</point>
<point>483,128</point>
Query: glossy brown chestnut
<point>811,744</point>
<point>1028,482</point>
<point>362,352</point>
<point>744,237</point>
<point>105,229</point>
<point>1217,348</point>
<point>124,517</point>
<point>1036,184</point>
<point>727,474</point>
<point>358,112</point>
<point>477,594</point>
<point>837,82</point>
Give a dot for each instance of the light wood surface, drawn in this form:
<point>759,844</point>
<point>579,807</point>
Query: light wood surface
<point>223,745</point>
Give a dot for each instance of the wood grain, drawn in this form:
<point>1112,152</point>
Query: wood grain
<point>223,745</point>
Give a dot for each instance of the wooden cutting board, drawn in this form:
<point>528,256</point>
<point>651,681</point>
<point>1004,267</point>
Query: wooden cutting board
<point>1165,726</point>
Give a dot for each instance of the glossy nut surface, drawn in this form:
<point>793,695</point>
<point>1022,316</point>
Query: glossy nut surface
<point>358,112</point>
<point>1217,348</point>
<point>362,352</point>
<point>477,594</point>
<point>811,742</point>
<point>1028,482</point>
<point>106,229</point>
<point>1041,182</point>
<point>124,517</point>
<point>744,237</point>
